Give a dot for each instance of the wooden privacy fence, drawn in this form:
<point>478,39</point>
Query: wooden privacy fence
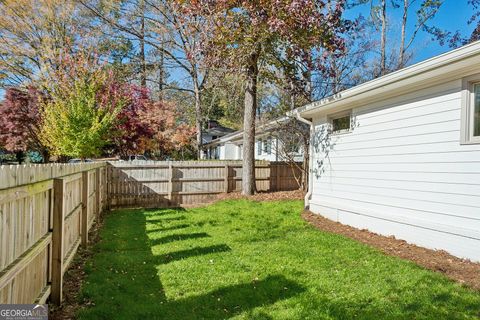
<point>177,183</point>
<point>45,214</point>
<point>47,210</point>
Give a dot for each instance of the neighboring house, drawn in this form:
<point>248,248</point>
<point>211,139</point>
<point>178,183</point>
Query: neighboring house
<point>400,155</point>
<point>214,131</point>
<point>267,145</point>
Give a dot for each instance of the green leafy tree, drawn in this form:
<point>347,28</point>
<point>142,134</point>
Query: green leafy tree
<point>75,122</point>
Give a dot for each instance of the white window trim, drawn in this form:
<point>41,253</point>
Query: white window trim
<point>338,115</point>
<point>468,108</point>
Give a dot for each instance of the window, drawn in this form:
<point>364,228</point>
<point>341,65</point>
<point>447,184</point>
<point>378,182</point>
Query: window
<point>259,147</point>
<point>470,126</point>
<point>341,124</point>
<point>265,146</point>
<point>269,145</point>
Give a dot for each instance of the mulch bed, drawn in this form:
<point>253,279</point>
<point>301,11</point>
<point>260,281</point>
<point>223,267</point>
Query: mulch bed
<point>264,196</point>
<point>74,277</point>
<point>460,270</point>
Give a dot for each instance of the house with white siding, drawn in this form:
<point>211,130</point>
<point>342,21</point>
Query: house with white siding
<point>400,155</point>
<point>268,145</point>
<point>214,131</point>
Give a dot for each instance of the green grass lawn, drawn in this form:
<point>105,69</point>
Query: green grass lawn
<point>250,260</point>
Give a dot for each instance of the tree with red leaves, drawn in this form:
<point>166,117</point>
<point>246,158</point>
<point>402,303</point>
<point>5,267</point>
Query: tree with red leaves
<point>257,37</point>
<point>145,125</point>
<point>130,132</point>
<point>170,135</point>
<point>20,121</point>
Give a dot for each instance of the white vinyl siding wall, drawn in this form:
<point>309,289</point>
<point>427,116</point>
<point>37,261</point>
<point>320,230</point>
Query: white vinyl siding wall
<point>402,171</point>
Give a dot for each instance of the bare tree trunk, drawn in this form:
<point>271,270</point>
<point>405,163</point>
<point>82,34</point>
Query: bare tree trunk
<point>384,38</point>
<point>161,76</point>
<point>401,53</point>
<point>248,168</point>
<point>335,84</point>
<point>307,77</point>
<point>161,67</point>
<point>161,72</point>
<point>198,117</point>
<point>143,79</point>
<point>292,95</point>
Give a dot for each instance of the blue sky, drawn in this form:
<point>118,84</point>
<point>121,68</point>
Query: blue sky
<point>453,16</point>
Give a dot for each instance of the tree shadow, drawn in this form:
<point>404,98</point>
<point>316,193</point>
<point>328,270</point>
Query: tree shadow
<point>324,142</point>
<point>169,219</point>
<point>177,227</point>
<point>163,212</point>
<point>178,237</point>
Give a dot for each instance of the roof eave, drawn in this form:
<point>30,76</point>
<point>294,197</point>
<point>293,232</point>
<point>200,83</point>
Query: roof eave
<point>449,65</point>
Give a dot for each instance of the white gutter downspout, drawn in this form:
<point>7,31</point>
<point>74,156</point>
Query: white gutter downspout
<point>310,159</point>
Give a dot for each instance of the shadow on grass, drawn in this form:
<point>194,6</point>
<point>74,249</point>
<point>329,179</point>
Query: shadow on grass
<point>231,300</point>
<point>177,227</point>
<point>197,251</point>
<point>178,237</point>
<point>125,284</point>
<point>168,219</point>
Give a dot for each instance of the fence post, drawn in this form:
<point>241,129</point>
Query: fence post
<point>227,179</point>
<point>108,187</point>
<point>104,188</point>
<point>277,177</point>
<point>97,192</point>
<point>170,180</point>
<point>84,219</point>
<point>57,239</point>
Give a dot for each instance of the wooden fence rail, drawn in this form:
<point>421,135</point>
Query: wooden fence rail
<point>45,214</point>
<point>171,184</point>
<point>46,211</point>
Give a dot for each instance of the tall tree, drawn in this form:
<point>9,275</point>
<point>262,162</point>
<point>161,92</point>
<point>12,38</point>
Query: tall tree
<point>428,9</point>
<point>251,36</point>
<point>164,32</point>
<point>415,18</point>
<point>383,41</point>
<point>34,32</point>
